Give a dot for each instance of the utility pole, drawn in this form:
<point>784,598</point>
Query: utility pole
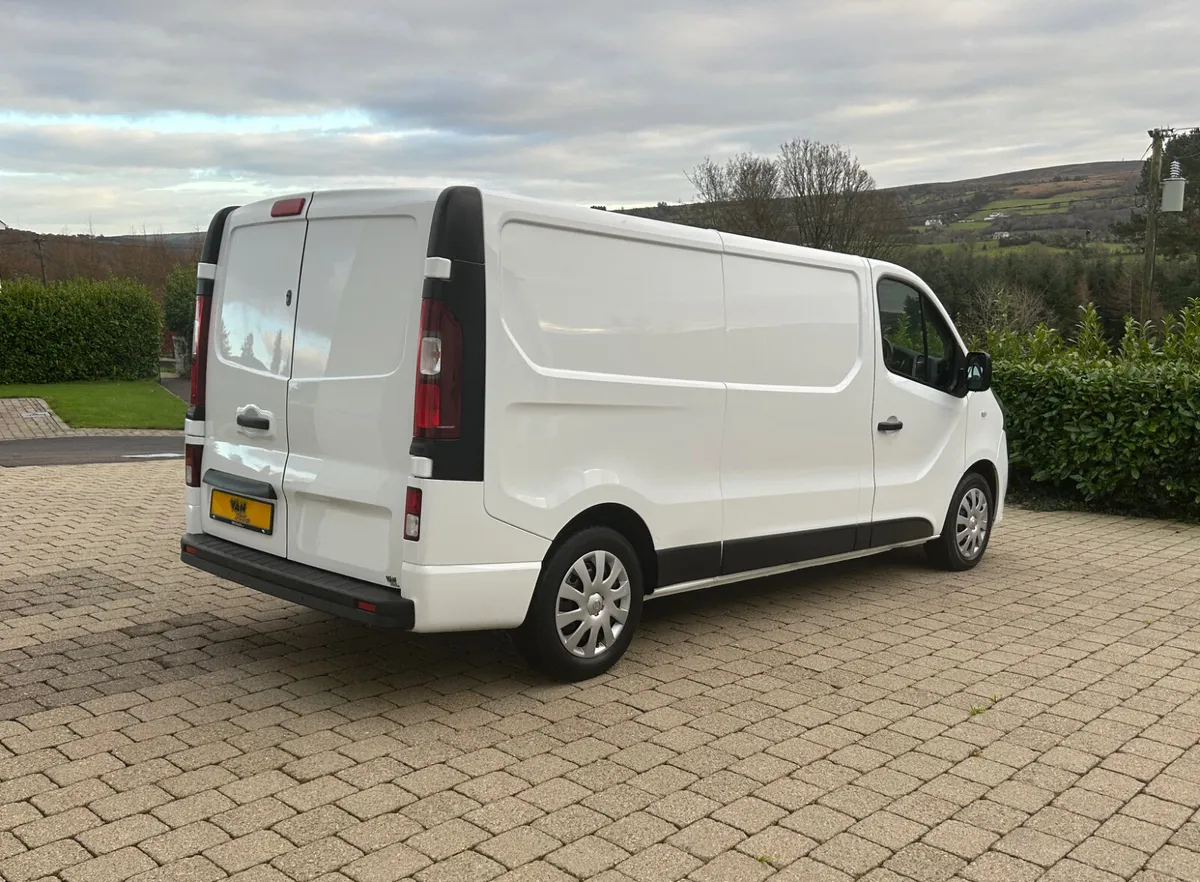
<point>41,257</point>
<point>1153,200</point>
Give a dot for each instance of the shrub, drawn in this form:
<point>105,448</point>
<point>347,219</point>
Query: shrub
<point>179,310</point>
<point>82,329</point>
<point>179,302</point>
<point>1112,429</point>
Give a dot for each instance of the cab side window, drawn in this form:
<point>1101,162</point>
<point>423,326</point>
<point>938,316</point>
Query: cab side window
<point>917,342</point>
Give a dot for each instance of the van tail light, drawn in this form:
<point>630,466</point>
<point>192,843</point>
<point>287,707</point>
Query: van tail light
<point>412,515</point>
<point>437,405</point>
<point>200,349</point>
<point>192,456</point>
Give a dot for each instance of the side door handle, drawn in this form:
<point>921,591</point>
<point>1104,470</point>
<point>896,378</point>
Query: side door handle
<point>891,424</point>
<point>252,419</point>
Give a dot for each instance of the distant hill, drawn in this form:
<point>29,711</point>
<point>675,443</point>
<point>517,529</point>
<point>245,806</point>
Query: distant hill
<point>1059,205</point>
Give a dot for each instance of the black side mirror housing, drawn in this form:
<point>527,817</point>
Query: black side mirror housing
<point>978,372</point>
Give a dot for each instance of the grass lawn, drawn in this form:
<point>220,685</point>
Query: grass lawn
<point>107,405</point>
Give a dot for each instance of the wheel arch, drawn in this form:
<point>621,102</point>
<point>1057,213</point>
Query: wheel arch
<point>623,520</point>
<point>986,469</point>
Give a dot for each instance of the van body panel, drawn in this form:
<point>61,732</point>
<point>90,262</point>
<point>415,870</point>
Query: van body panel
<point>917,467</point>
<point>250,361</point>
<point>350,396</point>
<point>469,597</point>
<point>456,529</point>
<point>596,392</point>
<point>797,448</point>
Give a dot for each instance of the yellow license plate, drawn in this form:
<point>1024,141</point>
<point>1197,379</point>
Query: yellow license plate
<point>242,512</point>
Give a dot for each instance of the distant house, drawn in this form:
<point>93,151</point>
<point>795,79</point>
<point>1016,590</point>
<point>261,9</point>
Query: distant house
<point>996,215</point>
<point>1002,234</point>
<point>935,222</point>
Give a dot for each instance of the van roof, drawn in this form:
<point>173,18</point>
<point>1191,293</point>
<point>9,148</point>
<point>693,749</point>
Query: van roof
<point>701,237</point>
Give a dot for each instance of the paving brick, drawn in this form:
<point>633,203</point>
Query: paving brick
<point>925,863</point>
<point>818,822</point>
<point>519,846</point>
<point>317,858</point>
<point>118,834</point>
<point>247,851</point>
<point>114,867</point>
<point>706,838</point>
<point>851,854</point>
<point>445,840</point>
<point>193,869</point>
<point>47,860</point>
<point>1111,856</point>
<point>960,839</point>
<point>994,866</point>
<point>587,857</point>
<point>777,846</point>
<point>1033,846</point>
<point>61,826</point>
<point>167,848</point>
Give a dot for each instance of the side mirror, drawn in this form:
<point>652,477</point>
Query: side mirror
<point>979,371</point>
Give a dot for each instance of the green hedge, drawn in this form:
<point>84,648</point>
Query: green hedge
<point>82,329</point>
<point>1115,429</point>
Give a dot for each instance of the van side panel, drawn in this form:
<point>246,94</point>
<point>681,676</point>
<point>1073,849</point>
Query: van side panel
<point>604,382</point>
<point>351,391</point>
<point>797,452</point>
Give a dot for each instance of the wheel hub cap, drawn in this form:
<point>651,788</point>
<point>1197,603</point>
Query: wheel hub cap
<point>593,604</point>
<point>972,524</point>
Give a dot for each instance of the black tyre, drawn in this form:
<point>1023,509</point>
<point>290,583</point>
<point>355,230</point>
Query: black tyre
<point>585,608</point>
<point>968,526</point>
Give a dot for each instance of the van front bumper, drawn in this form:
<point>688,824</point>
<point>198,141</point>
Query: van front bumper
<point>362,602</point>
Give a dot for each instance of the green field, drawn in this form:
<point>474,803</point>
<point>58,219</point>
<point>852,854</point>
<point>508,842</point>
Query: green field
<point>107,405</point>
<point>1060,204</point>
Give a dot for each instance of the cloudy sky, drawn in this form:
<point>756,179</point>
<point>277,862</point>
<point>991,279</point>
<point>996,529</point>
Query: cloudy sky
<point>127,113</point>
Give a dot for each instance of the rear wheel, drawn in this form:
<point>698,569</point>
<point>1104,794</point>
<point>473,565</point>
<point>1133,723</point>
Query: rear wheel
<point>585,608</point>
<point>968,526</point>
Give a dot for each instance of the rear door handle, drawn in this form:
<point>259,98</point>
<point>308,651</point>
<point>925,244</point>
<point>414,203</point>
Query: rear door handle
<point>891,424</point>
<point>253,420</point>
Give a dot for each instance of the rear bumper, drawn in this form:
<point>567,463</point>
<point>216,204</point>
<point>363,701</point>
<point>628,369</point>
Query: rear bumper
<point>295,582</point>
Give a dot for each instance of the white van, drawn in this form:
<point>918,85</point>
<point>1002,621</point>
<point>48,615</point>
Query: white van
<point>442,411</point>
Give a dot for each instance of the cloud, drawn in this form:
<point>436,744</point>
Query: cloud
<point>138,112</point>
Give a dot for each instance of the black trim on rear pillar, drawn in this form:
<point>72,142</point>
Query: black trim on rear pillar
<point>456,233</point>
<point>693,563</point>
<point>210,253</point>
<point>298,583</point>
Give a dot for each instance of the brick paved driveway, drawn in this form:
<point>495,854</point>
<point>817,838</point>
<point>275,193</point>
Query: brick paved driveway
<point>1037,718</point>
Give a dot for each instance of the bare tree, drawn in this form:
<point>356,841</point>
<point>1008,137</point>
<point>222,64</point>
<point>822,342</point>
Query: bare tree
<point>742,196</point>
<point>832,202</point>
<point>1002,306</point>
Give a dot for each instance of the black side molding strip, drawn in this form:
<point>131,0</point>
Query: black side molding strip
<point>239,485</point>
<point>692,563</point>
<point>299,583</point>
<point>689,563</point>
<point>764,552</point>
<point>897,532</point>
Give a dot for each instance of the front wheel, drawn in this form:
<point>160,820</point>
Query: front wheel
<point>585,608</point>
<point>968,526</point>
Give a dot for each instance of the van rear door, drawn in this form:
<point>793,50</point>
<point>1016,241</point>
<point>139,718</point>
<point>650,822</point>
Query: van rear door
<point>350,398</point>
<point>249,365</point>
